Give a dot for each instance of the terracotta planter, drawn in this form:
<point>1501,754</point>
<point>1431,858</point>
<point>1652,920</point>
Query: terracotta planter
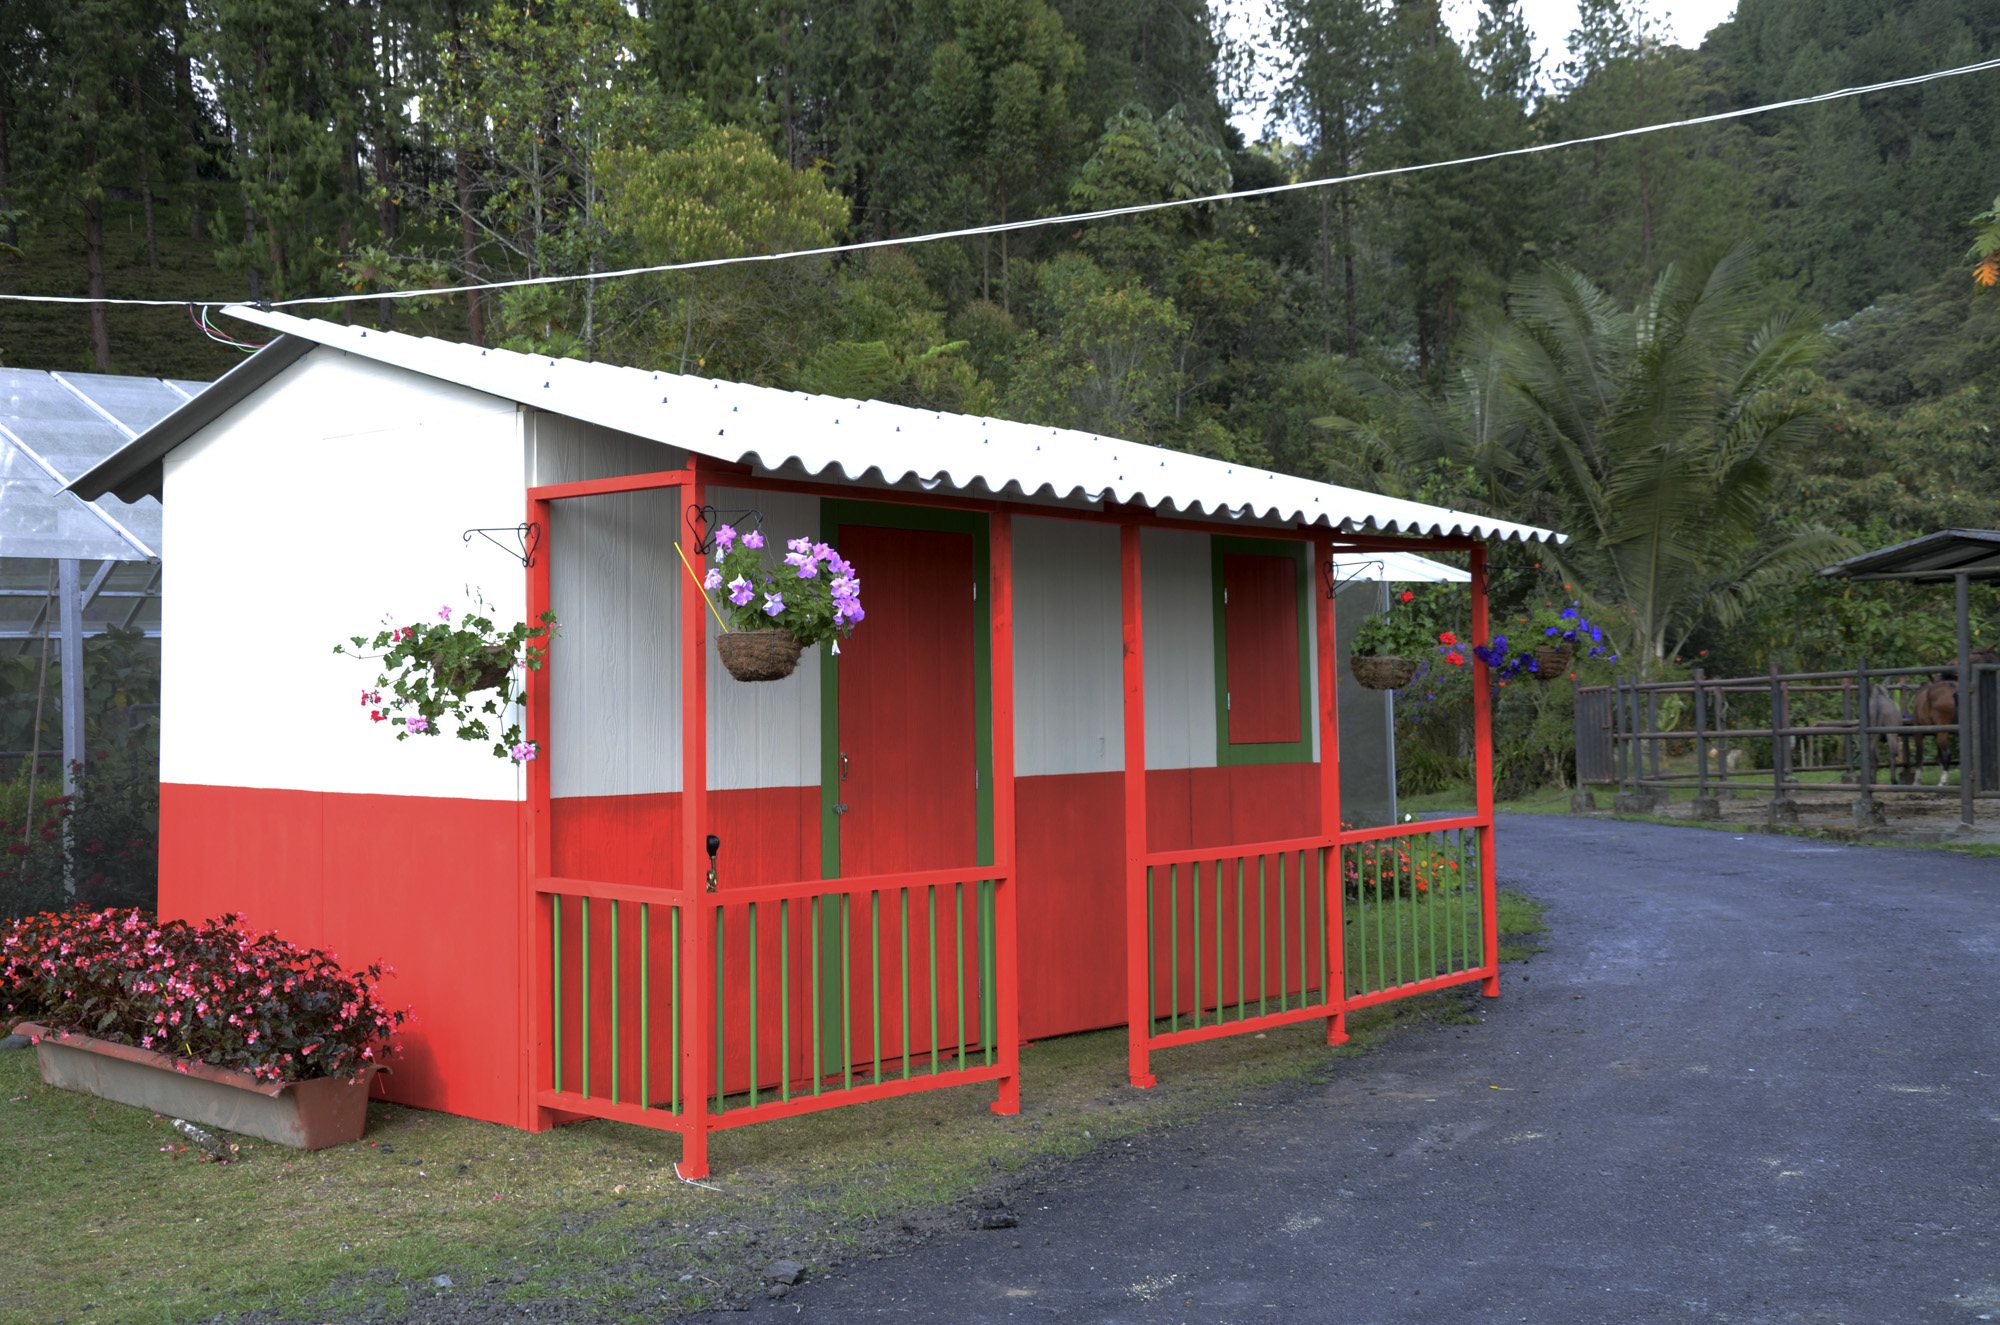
<point>1552,661</point>
<point>1382,671</point>
<point>311,1115</point>
<point>758,655</point>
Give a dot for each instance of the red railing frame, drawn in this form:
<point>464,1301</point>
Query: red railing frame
<point>1333,836</point>
<point>544,1106</point>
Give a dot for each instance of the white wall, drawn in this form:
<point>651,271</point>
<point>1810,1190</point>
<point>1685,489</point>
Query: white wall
<point>1068,648</point>
<point>766,733</point>
<point>1177,582</point>
<point>335,495</point>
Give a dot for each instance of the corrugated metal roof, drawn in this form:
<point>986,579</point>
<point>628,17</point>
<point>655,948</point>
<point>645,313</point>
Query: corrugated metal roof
<point>823,437</point>
<point>56,426</point>
<point>1944,555</point>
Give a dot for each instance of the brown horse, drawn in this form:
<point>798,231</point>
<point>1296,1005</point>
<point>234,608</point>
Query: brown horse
<point>1936,705</point>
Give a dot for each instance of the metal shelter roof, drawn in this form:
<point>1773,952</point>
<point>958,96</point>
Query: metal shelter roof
<point>797,435</point>
<point>1945,555</point>
<point>55,426</point>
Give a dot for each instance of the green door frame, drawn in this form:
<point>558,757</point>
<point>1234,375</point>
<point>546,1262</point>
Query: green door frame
<point>1265,752</point>
<point>835,512</point>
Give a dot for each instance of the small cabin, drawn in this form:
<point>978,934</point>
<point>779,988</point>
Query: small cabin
<point>1091,760</point>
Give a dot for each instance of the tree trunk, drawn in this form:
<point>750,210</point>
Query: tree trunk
<point>187,109</point>
<point>146,177</point>
<point>475,319</point>
<point>93,239</point>
<point>12,232</point>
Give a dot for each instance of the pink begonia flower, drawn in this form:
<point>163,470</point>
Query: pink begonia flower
<point>753,540</point>
<point>726,535</point>
<point>774,603</point>
<point>713,580</point>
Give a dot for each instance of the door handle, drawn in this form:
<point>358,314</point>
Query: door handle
<point>843,765</point>
<point>840,809</point>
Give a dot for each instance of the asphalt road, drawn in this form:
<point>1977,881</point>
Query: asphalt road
<point>1750,1079</point>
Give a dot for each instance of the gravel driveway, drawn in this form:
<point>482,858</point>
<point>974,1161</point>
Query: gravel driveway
<point>1750,1079</point>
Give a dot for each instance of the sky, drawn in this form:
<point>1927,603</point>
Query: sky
<point>1685,22</point>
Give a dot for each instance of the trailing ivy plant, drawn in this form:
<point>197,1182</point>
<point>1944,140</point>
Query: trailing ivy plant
<point>432,673</point>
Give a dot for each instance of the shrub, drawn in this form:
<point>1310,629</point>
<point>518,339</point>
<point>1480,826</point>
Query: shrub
<point>212,993</point>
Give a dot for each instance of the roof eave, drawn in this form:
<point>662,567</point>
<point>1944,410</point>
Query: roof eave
<point>138,468</point>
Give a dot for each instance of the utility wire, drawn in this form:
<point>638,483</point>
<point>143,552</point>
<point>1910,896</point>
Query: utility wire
<point>1032,223</point>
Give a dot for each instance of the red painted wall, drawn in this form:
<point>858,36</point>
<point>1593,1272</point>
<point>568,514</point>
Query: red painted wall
<point>427,886</point>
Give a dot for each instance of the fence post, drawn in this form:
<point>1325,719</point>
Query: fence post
<point>1968,779</point>
<point>1333,864</point>
<point>1007,954</point>
<point>1782,809</point>
<point>1867,810</point>
<point>698,923</point>
<point>1705,805</point>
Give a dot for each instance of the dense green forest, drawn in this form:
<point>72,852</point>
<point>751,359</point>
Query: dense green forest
<point>1764,336</point>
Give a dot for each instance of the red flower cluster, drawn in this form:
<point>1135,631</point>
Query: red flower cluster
<point>214,993</point>
<point>1388,868</point>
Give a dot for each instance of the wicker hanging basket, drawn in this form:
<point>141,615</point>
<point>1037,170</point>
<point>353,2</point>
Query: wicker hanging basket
<point>491,674</point>
<point>1382,671</point>
<point>758,655</point>
<point>1552,661</point>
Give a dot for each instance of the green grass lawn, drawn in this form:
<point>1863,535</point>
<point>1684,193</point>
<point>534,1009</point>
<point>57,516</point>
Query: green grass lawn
<point>109,1219</point>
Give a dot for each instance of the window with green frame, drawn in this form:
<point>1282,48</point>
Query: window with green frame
<point>1263,660</point>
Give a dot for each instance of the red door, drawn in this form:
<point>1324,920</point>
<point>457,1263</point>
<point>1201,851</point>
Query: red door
<point>906,756</point>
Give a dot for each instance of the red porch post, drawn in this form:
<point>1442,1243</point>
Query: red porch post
<point>537,860</point>
<point>1482,775</point>
<point>1007,954</point>
<point>697,917</point>
<point>1333,870</point>
<point>1138,997</point>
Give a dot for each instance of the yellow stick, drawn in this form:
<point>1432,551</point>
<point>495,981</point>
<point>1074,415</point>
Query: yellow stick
<point>700,590</point>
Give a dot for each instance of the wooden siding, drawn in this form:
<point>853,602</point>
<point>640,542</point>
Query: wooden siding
<point>1067,706</point>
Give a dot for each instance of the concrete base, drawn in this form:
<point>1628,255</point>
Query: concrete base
<point>1706,807</point>
<point>1868,814</point>
<point>1633,802</point>
<point>1581,801</point>
<point>1781,810</point>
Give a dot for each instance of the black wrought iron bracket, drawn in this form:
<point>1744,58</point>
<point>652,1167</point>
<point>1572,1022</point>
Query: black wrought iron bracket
<point>528,535</point>
<point>1335,581</point>
<point>702,522</point>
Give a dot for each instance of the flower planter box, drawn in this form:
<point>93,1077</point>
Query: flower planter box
<point>311,1115</point>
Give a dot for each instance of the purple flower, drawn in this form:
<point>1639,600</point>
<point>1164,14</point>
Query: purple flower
<point>741,592</point>
<point>418,723</point>
<point>808,569</point>
<point>836,565</point>
<point>753,540</point>
<point>801,545</point>
<point>713,580</point>
<point>725,535</point>
<point>444,613</point>
<point>774,603</point>
<point>844,585</point>
<point>852,610</point>
<point>524,751</point>
<point>824,552</point>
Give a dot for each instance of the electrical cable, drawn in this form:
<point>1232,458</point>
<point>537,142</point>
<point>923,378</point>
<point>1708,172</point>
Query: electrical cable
<point>1032,223</point>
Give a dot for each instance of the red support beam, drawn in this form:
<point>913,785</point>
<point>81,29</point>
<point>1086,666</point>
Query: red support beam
<point>1138,1000</point>
<point>698,929</point>
<point>1482,775</point>
<point>1334,885</point>
<point>535,855</point>
<point>1007,954</point>
<point>597,487</point>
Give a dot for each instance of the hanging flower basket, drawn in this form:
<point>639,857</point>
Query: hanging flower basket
<point>759,655</point>
<point>1552,661</point>
<point>486,671</point>
<point>771,612</point>
<point>1382,671</point>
